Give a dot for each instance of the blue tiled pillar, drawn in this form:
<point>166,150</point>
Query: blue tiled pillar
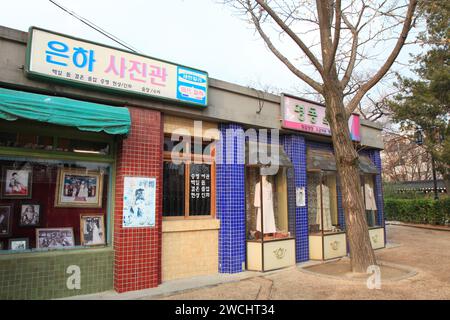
<point>378,186</point>
<point>230,204</point>
<point>295,148</point>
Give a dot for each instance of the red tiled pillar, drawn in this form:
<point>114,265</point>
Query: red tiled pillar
<point>137,258</point>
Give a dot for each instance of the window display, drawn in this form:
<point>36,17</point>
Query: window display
<point>368,189</point>
<point>267,205</point>
<point>270,217</point>
<point>59,193</point>
<point>322,202</point>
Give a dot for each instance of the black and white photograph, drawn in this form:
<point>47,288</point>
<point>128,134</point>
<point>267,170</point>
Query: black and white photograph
<point>30,215</point>
<point>18,244</point>
<point>16,183</point>
<point>5,219</point>
<point>54,237</point>
<point>92,230</point>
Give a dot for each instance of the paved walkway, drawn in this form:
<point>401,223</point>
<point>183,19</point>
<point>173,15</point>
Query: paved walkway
<point>427,251</point>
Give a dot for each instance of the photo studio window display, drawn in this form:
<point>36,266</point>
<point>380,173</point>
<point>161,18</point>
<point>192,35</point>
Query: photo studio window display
<point>188,187</point>
<point>52,204</point>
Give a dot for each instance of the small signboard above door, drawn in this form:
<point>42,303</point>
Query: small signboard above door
<point>303,115</point>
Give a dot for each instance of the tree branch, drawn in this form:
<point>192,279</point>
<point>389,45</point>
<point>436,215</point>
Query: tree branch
<point>291,34</point>
<point>337,35</point>
<point>352,105</point>
<point>314,84</point>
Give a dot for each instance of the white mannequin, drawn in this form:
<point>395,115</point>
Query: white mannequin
<point>370,197</point>
<point>268,213</point>
<point>327,225</point>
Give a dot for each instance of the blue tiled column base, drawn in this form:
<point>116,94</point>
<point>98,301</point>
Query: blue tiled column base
<point>230,206</point>
<point>295,148</point>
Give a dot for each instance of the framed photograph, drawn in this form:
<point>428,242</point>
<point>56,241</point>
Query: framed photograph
<point>30,215</point>
<point>6,211</point>
<point>16,183</point>
<point>139,202</point>
<point>79,188</point>
<point>54,237</point>
<point>18,244</point>
<point>92,229</point>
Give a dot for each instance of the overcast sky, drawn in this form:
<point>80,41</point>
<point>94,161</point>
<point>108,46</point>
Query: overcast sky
<point>198,33</point>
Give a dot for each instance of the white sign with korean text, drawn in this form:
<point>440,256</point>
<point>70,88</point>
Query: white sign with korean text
<point>64,58</point>
<point>139,200</point>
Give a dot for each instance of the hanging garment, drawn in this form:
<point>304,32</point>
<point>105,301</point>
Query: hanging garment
<point>371,221</point>
<point>327,225</point>
<point>370,197</point>
<point>268,213</point>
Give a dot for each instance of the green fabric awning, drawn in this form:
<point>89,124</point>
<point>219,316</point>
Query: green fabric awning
<point>85,116</point>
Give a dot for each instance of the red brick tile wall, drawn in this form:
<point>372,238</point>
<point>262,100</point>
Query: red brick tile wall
<point>137,259</point>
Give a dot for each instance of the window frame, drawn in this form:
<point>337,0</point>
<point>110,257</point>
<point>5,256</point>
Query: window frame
<point>195,159</point>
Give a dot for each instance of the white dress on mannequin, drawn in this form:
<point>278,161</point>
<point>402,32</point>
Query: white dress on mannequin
<point>327,225</point>
<point>268,213</point>
<point>370,197</point>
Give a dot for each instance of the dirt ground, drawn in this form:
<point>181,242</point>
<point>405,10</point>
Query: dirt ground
<point>427,251</point>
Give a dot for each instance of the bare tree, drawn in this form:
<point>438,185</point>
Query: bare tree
<point>344,45</point>
<point>404,160</point>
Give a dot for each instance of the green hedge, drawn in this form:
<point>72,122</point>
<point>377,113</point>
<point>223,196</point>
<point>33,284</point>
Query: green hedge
<point>426,211</point>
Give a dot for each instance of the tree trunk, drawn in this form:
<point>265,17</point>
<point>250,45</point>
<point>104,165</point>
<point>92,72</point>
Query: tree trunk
<point>361,252</point>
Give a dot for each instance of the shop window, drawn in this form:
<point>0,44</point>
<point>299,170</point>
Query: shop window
<point>368,191</point>
<point>48,204</point>
<point>322,202</point>
<point>188,187</point>
<point>267,205</point>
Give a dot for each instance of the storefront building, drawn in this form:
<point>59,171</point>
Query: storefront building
<point>93,200</point>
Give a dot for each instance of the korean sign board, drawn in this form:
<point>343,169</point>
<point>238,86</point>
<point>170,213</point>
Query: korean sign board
<point>307,116</point>
<point>64,58</point>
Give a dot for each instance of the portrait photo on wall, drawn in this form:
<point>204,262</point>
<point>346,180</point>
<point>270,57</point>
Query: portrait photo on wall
<point>30,215</point>
<point>5,219</point>
<point>92,230</point>
<point>16,183</point>
<point>79,188</point>
<point>18,244</point>
<point>54,238</point>
<point>139,194</point>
